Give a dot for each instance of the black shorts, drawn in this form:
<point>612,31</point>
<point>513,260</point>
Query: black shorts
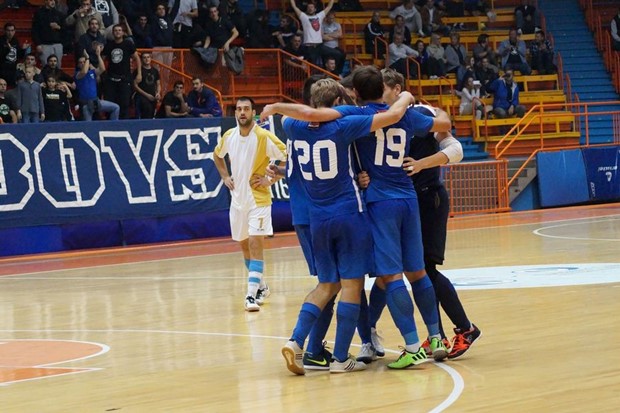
<point>434,210</point>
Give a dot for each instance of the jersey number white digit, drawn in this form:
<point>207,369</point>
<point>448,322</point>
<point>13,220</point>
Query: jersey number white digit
<point>387,139</point>
<point>314,154</point>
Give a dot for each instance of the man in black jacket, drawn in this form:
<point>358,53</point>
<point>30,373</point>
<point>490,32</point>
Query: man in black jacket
<point>47,28</point>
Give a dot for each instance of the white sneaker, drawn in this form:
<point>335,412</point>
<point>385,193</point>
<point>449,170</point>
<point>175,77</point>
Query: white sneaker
<point>376,342</point>
<point>367,354</point>
<point>347,366</point>
<point>262,294</point>
<point>250,304</point>
<point>294,355</point>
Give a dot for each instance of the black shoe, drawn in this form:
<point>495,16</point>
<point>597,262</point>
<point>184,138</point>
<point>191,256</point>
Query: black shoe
<point>319,362</point>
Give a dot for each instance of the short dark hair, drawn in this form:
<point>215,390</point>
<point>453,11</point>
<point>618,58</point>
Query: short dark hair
<point>51,56</point>
<point>8,24</point>
<point>368,82</point>
<point>247,99</point>
<point>178,82</point>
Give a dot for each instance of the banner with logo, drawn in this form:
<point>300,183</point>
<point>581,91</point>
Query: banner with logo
<point>70,172</point>
<point>602,172</point>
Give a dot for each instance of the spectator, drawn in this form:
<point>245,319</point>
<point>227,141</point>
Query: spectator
<point>475,7</point>
<point>283,34</point>
<point>220,31</point>
<point>436,57</point>
<point>118,79</point>
<point>231,10</point>
<point>298,50</point>
<point>30,107</point>
<point>259,32</point>
<point>182,12</point>
<point>312,26</point>
<point>202,102</point>
<point>56,101</point>
<point>47,31</point>
<point>80,18</point>
<point>60,77</point>
<point>108,12</point>
<point>413,18</point>
<point>422,58</point>
<point>470,99</point>
<point>615,31</point>
<point>8,106</point>
<point>526,17</point>
<point>10,52</point>
<point>541,53</point>
<point>89,40</point>
<point>372,31</point>
<point>86,85</point>
<point>400,28</point>
<point>483,49</point>
<point>332,33</point>
<point>399,54</point>
<point>148,90</point>
<point>141,33</point>
<point>161,28</point>
<point>330,66</point>
<point>174,104</point>
<point>486,74</point>
<point>29,61</point>
<point>456,57</point>
<point>133,9</point>
<point>431,19</point>
<point>512,52</point>
<point>506,97</point>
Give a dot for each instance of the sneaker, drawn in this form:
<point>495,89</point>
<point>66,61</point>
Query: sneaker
<point>320,362</point>
<point>293,354</point>
<point>408,359</point>
<point>427,346</point>
<point>463,340</point>
<point>262,294</point>
<point>250,304</point>
<point>367,354</point>
<point>347,366</point>
<point>376,342</point>
<point>438,348</point>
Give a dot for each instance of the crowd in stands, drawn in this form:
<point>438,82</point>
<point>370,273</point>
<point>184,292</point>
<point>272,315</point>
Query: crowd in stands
<point>104,36</point>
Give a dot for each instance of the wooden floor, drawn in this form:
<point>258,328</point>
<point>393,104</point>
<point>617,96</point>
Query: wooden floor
<point>162,329</point>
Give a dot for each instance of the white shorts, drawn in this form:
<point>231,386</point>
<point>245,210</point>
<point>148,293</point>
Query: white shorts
<point>250,223</point>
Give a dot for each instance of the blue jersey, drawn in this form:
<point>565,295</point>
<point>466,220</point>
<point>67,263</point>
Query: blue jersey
<point>321,151</point>
<point>296,190</point>
<point>382,153</point>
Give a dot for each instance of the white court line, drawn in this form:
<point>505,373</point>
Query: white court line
<point>16,277</point>
<point>540,234</point>
<point>457,379</point>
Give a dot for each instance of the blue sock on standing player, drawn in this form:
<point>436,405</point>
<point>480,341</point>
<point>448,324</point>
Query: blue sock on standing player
<point>363,322</point>
<point>425,299</point>
<point>347,315</point>
<point>255,276</point>
<point>319,330</point>
<point>401,308</point>
<point>308,315</point>
<point>376,305</point>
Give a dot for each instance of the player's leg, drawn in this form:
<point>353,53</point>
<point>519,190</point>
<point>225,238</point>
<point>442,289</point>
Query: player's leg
<point>259,225</point>
<point>239,233</point>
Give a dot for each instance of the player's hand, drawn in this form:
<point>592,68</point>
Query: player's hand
<point>273,171</point>
<point>411,97</point>
<point>268,110</point>
<point>363,180</point>
<point>411,166</point>
<point>230,183</point>
<point>256,181</point>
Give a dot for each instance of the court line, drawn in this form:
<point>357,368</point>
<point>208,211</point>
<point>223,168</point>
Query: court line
<point>570,220</point>
<point>457,379</point>
<point>540,234</point>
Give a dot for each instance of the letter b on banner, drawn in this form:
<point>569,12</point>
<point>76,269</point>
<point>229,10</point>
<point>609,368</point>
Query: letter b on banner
<point>71,175</point>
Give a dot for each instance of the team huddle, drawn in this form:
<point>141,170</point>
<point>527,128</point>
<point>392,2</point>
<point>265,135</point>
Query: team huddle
<point>354,180</point>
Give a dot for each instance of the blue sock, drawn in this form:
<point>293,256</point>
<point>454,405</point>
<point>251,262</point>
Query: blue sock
<point>401,307</point>
<point>375,305</point>
<point>307,317</point>
<point>318,332</point>
<point>346,315</point>
<point>363,324</point>
<point>425,299</point>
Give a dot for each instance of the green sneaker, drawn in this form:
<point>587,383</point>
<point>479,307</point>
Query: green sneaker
<point>438,349</point>
<point>408,359</point>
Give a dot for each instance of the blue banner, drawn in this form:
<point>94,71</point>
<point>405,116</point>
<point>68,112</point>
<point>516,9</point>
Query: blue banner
<point>55,173</point>
<point>602,172</point>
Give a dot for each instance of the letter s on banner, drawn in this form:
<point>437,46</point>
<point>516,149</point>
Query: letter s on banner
<point>192,175</point>
<point>16,183</point>
<point>71,181</point>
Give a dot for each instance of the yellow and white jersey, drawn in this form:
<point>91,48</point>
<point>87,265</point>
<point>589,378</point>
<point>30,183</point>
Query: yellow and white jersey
<point>249,155</point>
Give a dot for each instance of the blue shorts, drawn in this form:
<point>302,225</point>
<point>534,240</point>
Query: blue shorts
<point>342,247</point>
<point>397,235</point>
<point>305,241</point>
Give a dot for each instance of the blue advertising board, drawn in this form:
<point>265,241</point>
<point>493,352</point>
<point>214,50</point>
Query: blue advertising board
<point>602,172</point>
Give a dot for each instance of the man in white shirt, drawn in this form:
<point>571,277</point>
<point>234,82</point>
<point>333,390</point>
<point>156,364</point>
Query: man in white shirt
<point>399,54</point>
<point>413,18</point>
<point>332,33</point>
<point>250,149</point>
<point>312,26</point>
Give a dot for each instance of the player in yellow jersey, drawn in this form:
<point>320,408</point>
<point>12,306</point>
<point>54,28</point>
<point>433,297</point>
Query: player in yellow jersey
<point>250,149</point>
